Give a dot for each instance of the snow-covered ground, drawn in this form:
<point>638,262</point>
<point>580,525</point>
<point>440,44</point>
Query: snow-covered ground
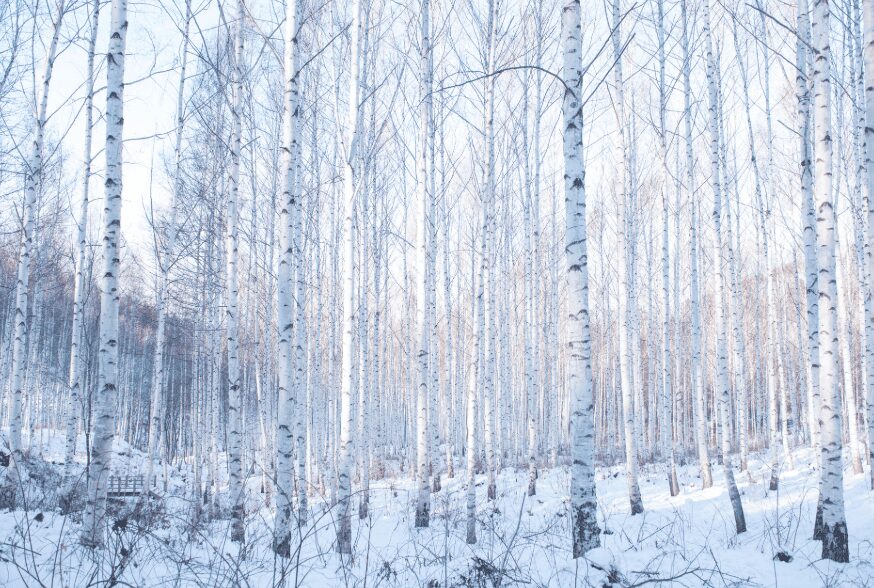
<point>687,540</point>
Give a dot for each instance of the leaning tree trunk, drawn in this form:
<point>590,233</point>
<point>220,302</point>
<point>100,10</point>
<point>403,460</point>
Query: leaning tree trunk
<point>32,179</point>
<point>104,399</point>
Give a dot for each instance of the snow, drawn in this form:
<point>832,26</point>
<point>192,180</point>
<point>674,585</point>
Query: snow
<point>686,540</point>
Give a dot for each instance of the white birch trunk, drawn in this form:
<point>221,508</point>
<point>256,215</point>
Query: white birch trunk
<point>285,304</point>
<point>232,332</point>
<point>631,381</point>
<point>474,381</point>
<point>32,180</point>
<point>347,372</point>
<point>74,404</point>
<point>697,372</point>
<point>104,400</point>
<point>722,391</point>
<point>489,330</point>
<point>423,329</point>
<point>834,526</point>
<point>164,262</point>
<point>578,347</point>
<point>868,56</point>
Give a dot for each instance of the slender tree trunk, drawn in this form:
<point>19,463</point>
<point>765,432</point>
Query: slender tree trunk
<point>423,500</point>
<point>347,372</point>
<point>232,330</point>
<point>33,169</point>
<point>630,375</point>
<point>868,55</point>
<point>165,261</point>
<point>285,305</point>
<point>74,402</point>
<point>489,331</point>
<point>722,391</point>
<point>834,527</point>
<point>697,372</point>
<point>475,379</point>
<point>667,382</point>
<point>104,400</point>
<point>578,350</point>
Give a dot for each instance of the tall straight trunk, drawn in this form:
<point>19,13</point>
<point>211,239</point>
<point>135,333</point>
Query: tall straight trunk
<point>490,339</point>
<point>761,227</point>
<point>165,261</point>
<point>475,378</point>
<point>737,322</point>
<point>451,380</point>
<point>423,328</point>
<point>232,330</point>
<point>300,283</point>
<point>214,350</point>
<point>529,310</point>
<point>868,57</point>
<point>697,371</point>
<point>431,267</point>
<point>628,357</point>
<point>285,305</point>
<point>808,220</point>
<point>845,329</point>
<point>364,352</point>
<point>834,526</point>
<point>73,407</point>
<point>667,382</point>
<point>677,400</point>
<point>347,371</point>
<point>859,201</point>
<point>773,360</point>
<point>722,392</point>
<point>377,371</point>
<point>32,181</point>
<point>104,398</point>
<point>578,348</point>
<point>540,316</point>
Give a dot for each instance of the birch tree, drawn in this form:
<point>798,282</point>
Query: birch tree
<point>834,525</point>
<point>232,333</point>
<point>287,357</point>
<point>33,170</point>
<point>423,327</point>
<point>165,260</point>
<point>868,58</point>
<point>347,371</point>
<point>104,398</point>
<point>722,314</point>
<point>578,350</point>
<point>697,375</point>
<point>77,329</point>
<point>630,375</point>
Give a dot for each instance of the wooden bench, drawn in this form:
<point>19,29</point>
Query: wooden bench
<point>125,486</point>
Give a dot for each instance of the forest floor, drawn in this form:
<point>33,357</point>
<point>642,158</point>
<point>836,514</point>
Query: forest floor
<point>688,540</point>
